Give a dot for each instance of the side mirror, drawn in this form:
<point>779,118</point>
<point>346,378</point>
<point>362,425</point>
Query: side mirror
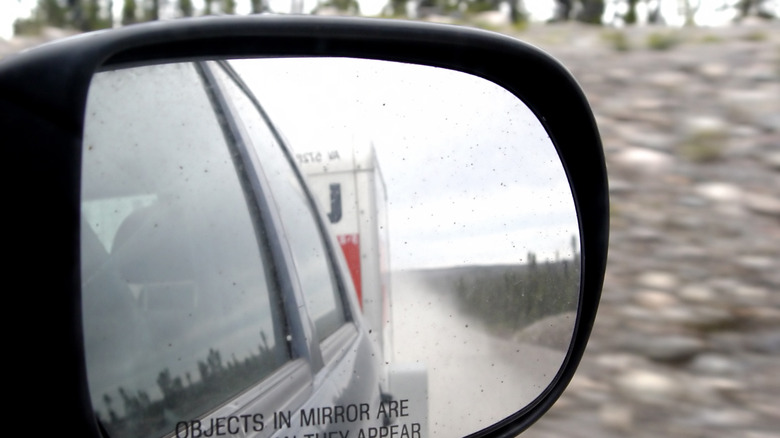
<point>422,208</point>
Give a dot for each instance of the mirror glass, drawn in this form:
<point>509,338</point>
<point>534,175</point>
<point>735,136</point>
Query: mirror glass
<point>213,303</point>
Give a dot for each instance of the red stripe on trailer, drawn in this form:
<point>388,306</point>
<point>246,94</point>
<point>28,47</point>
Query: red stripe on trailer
<point>350,246</point>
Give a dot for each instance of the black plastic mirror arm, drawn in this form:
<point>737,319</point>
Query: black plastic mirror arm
<point>42,102</point>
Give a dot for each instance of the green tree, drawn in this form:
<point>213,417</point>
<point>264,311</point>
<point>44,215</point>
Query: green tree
<point>654,14</point>
<point>52,13</point>
<point>758,8</point>
<point>76,14</point>
<point>477,5</point>
<point>152,10</point>
<point>258,6</point>
<point>84,15</point>
<point>591,11</point>
<point>517,12</point>
<point>129,12</point>
<point>185,8</point>
<point>110,13</point>
<point>398,8</point>
<point>630,16</point>
<point>46,13</point>
<point>93,17</point>
<point>350,6</point>
<point>689,9</point>
<point>229,7</point>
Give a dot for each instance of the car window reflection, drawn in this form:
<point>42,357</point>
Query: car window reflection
<point>179,314</point>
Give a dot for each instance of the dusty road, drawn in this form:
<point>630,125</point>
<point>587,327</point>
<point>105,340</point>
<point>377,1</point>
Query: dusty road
<point>474,377</point>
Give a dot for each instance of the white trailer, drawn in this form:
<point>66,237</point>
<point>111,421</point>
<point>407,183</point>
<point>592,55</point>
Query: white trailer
<point>348,185</point>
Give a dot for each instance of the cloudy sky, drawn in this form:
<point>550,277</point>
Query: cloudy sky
<point>471,175</point>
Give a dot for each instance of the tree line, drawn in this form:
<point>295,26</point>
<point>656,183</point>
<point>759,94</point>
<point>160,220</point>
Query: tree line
<point>592,11</point>
<point>513,297</point>
<point>88,15</point>
<point>134,412</point>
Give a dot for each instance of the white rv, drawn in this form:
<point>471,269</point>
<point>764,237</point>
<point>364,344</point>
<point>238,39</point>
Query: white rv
<point>348,185</point>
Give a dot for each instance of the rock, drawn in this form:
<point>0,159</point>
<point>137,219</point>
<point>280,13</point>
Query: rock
<point>702,318</point>
<point>748,132</point>
<point>619,186</point>
<point>727,342</point>
<point>649,386</point>
<point>691,201</point>
<point>756,262</point>
<point>709,391</point>
<point>634,313</point>
<point>617,109</point>
<point>643,159</point>
<point>697,293</point>
<point>552,331</point>
<point>658,280</point>
<point>773,161</point>
<point>648,103</point>
<point>619,417</point>
<point>759,434</point>
<point>645,234</point>
<point>760,315</point>
<point>669,80</point>
<point>620,75</point>
<point>719,191</point>
<point>714,70</point>
<point>655,299</point>
<point>769,121</point>
<point>723,385</point>
<point>654,140</point>
<point>704,139</point>
<point>746,293</point>
<point>759,73</point>
<point>666,348</point>
<point>726,418</point>
<point>693,253</point>
<point>750,107</point>
<point>764,204</point>
<point>714,364</point>
<point>768,342</point>
<point>618,362</point>
<point>705,124</point>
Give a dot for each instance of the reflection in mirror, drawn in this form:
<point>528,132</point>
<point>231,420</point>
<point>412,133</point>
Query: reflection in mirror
<point>482,232</point>
<point>447,199</point>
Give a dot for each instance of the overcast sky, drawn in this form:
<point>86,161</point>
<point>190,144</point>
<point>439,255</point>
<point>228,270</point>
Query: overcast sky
<point>471,175</point>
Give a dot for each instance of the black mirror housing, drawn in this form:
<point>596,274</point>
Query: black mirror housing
<point>43,95</point>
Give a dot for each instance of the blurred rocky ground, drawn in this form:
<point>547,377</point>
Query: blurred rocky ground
<point>8,47</point>
<point>687,339</point>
